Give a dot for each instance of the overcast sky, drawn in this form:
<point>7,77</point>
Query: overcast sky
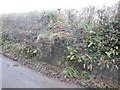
<point>14,6</point>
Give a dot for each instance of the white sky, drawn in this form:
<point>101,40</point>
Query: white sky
<point>14,6</point>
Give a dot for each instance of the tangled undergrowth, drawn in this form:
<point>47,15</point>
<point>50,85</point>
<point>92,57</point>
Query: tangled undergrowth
<point>74,40</point>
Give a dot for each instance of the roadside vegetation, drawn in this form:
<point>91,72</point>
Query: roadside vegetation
<point>81,46</point>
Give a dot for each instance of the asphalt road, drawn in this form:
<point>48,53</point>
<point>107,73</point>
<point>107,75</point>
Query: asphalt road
<point>0,72</point>
<point>23,77</point>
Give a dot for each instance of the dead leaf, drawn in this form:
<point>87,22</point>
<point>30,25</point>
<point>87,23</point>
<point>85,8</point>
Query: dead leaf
<point>16,65</point>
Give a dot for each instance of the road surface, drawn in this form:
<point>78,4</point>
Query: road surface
<point>23,77</point>
<point>0,72</point>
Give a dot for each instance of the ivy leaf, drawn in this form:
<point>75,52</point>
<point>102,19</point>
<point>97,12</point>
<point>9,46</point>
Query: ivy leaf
<point>68,56</point>
<point>72,57</point>
<point>84,65</point>
<point>35,51</point>
<point>117,53</point>
<point>74,50</point>
<point>116,47</point>
<point>108,54</point>
<point>71,53</point>
<point>99,64</point>
<point>91,43</point>
<point>83,57</point>
<point>79,60</point>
